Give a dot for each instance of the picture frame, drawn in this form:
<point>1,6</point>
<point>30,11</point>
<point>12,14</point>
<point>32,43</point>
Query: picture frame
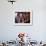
<point>27,21</point>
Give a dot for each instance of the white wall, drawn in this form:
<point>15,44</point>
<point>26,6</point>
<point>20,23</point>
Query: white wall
<point>7,12</point>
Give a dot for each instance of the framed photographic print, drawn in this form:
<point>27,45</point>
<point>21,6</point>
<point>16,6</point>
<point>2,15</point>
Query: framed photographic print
<point>23,17</point>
